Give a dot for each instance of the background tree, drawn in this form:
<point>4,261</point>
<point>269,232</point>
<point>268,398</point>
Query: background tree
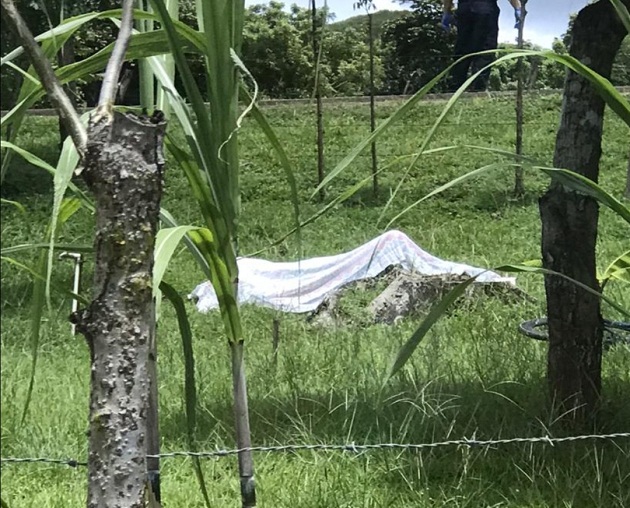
<point>415,48</point>
<point>274,51</point>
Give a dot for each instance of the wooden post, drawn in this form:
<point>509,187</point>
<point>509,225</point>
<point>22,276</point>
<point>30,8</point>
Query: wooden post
<point>519,186</point>
<point>276,341</point>
<point>627,194</point>
<point>153,426</point>
<point>372,108</point>
<point>319,106</point>
<point>76,282</point>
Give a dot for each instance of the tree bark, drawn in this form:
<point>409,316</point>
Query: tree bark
<point>123,168</point>
<point>569,222</point>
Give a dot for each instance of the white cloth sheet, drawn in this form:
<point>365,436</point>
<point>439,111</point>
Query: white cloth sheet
<point>302,285</point>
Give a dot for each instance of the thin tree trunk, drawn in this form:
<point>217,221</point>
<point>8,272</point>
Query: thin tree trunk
<point>123,169</point>
<point>519,186</point>
<point>372,108</point>
<point>243,434</point>
<point>146,81</point>
<point>569,222</point>
<point>627,194</point>
<point>319,106</point>
<point>153,419</point>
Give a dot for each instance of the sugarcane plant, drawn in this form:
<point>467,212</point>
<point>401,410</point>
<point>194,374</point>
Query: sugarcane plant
<point>211,165</point>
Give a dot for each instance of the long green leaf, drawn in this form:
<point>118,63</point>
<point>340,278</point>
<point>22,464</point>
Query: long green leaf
<point>206,140</point>
<point>344,196</point>
<point>59,288</point>
<point>167,218</point>
<point>36,161</point>
<point>141,45</point>
<point>619,268</point>
<point>166,242</point>
<point>585,186</point>
<point>29,247</point>
<point>569,179</point>
<point>624,15</point>
<point>49,49</point>
<point>17,205</point>
<point>436,312</point>
<point>68,161</point>
<point>39,297</point>
<point>221,282</point>
<point>446,186</point>
<point>545,271</point>
<point>190,389</point>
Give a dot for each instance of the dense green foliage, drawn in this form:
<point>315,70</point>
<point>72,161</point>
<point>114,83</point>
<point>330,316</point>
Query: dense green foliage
<point>358,22</point>
<point>473,375</point>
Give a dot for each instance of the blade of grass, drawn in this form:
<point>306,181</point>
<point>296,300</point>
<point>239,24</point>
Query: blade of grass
<point>545,271</point>
<point>28,247</point>
<point>190,389</point>
<point>59,288</point>
<point>436,312</point>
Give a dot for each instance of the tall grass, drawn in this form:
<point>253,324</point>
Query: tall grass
<point>472,375</point>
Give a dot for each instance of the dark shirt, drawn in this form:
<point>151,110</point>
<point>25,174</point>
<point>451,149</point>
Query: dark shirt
<point>478,6</point>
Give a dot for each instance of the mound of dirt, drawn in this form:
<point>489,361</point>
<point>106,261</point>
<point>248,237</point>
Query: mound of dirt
<point>405,294</point>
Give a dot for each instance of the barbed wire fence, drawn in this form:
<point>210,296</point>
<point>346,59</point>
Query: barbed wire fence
<point>354,448</point>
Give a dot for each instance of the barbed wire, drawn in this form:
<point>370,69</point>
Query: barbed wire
<point>346,447</point>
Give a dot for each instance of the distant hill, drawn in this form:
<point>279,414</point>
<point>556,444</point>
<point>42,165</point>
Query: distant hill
<point>360,22</point>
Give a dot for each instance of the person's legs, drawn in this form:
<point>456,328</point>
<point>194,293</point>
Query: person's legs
<point>465,28</point>
<point>486,38</point>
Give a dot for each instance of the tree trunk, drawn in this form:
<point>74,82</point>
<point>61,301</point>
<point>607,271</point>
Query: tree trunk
<point>319,108</point>
<point>569,222</point>
<point>153,420</point>
<point>372,107</point>
<point>123,168</point>
<point>519,184</point>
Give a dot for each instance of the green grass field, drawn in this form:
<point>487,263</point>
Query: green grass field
<point>474,375</point>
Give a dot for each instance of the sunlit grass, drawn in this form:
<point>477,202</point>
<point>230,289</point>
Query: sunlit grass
<point>473,376</point>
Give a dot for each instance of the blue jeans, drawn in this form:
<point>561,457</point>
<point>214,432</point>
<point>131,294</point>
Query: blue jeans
<point>475,32</point>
